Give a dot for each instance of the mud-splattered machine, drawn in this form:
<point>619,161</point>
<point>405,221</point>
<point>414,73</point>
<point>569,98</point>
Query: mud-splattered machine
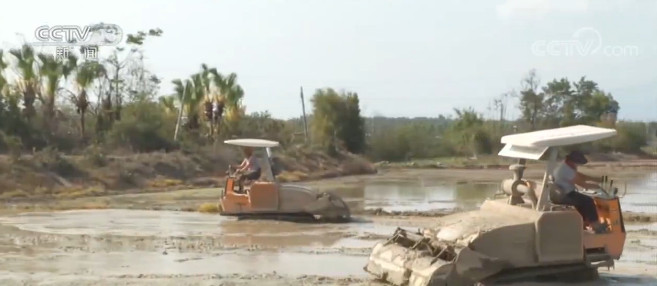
<point>527,235</point>
<point>267,198</point>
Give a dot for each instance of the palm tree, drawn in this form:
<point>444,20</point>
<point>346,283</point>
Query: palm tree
<point>85,76</point>
<point>3,80</point>
<point>53,71</point>
<point>3,84</point>
<point>231,95</point>
<point>28,82</point>
<point>204,89</point>
<point>169,103</point>
<point>189,94</point>
<point>195,100</point>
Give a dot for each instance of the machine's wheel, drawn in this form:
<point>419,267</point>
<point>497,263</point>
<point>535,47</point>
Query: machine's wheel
<point>583,275</point>
<point>555,274</point>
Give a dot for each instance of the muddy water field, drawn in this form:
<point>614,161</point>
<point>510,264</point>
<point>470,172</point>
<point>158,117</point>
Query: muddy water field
<point>159,238</point>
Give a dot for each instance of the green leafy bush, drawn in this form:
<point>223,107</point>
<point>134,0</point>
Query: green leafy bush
<point>143,128</point>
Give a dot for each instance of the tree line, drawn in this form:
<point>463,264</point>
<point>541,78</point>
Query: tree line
<point>72,104</point>
<point>557,103</point>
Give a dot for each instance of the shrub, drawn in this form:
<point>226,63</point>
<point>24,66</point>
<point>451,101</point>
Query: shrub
<point>50,159</point>
<point>11,144</point>
<point>144,128</point>
<point>95,155</point>
<point>631,137</point>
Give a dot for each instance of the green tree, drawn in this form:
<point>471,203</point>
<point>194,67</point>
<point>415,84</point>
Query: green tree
<point>53,71</point>
<point>125,64</point>
<point>336,120</point>
<point>28,80</point>
<point>598,105</point>
<point>144,128</point>
<point>204,89</point>
<point>85,75</point>
<point>558,106</point>
<point>468,132</point>
<point>231,95</point>
<point>262,125</point>
<point>531,101</point>
<point>352,131</point>
<point>187,94</point>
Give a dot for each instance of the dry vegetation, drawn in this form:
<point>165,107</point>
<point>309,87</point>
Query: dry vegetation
<point>47,174</point>
<point>209,208</point>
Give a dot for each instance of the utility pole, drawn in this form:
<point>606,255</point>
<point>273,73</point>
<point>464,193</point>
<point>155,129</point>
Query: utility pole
<point>305,124</point>
<point>182,105</point>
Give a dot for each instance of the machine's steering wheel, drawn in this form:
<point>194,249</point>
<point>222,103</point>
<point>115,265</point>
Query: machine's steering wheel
<point>599,192</point>
<point>231,172</point>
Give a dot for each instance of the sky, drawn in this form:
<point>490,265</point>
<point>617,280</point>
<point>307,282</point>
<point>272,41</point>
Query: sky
<point>403,58</point>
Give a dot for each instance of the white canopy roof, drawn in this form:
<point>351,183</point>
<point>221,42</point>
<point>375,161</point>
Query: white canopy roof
<point>532,145</point>
<point>524,152</point>
<point>559,136</point>
<point>246,142</point>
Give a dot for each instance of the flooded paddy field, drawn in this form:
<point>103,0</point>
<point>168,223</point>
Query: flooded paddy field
<point>154,239</point>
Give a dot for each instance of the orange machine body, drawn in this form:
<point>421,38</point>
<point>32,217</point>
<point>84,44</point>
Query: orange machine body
<point>609,211</point>
<point>260,197</point>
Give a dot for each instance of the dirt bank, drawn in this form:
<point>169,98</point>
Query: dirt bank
<point>50,175</point>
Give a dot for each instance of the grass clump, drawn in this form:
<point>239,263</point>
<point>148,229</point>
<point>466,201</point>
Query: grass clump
<point>293,176</point>
<point>16,194</point>
<point>79,191</point>
<point>163,183</point>
<point>209,208</point>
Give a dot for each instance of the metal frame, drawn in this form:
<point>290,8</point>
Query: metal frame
<point>542,204</point>
<point>265,159</point>
<point>532,146</point>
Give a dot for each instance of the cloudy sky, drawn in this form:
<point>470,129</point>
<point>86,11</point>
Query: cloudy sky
<point>404,58</point>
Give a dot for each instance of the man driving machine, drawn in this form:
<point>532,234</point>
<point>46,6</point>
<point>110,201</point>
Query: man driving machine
<point>249,169</point>
<point>566,177</point>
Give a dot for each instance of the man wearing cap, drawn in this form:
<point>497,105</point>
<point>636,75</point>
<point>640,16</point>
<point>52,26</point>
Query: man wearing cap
<point>566,177</point>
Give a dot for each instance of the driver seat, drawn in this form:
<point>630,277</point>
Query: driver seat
<point>555,195</point>
<point>246,186</point>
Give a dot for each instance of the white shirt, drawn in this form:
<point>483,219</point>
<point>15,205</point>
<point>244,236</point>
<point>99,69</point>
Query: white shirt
<point>563,176</point>
<point>253,163</point>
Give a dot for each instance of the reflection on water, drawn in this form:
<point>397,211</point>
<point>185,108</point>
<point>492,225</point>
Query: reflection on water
<point>641,194</point>
<point>421,197</point>
<point>424,194</point>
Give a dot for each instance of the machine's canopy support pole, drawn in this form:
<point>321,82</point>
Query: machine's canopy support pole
<point>268,165</point>
<point>552,161</point>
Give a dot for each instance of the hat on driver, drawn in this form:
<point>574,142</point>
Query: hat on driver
<point>577,157</point>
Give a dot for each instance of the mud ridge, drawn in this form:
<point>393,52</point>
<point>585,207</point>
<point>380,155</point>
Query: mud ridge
<point>628,217</point>
<point>639,217</point>
<point>381,212</point>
